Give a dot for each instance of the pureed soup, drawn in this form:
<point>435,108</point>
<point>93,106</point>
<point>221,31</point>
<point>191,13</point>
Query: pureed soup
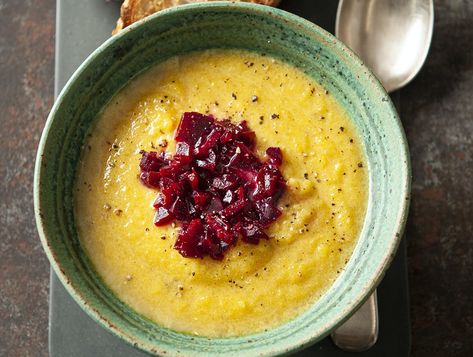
<point>251,287</point>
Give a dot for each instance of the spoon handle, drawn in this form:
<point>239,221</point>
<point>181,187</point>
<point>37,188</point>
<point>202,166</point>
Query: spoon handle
<point>360,331</point>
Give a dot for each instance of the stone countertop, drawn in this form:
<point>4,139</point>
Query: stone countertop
<point>437,112</point>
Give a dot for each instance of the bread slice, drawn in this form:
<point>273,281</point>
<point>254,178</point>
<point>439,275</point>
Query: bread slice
<point>134,10</point>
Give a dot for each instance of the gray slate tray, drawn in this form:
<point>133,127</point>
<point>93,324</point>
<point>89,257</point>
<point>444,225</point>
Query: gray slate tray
<point>83,25</point>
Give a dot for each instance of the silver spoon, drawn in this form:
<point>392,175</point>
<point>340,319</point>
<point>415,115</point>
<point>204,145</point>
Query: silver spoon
<point>393,38</point>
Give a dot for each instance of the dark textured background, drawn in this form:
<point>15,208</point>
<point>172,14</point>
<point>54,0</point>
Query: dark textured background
<point>437,111</point>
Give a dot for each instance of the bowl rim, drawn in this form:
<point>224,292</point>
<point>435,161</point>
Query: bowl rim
<point>264,10</point>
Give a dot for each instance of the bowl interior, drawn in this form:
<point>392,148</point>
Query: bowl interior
<point>222,25</point>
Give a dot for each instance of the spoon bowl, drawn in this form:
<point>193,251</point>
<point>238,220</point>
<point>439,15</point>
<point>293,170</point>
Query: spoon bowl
<point>391,36</point>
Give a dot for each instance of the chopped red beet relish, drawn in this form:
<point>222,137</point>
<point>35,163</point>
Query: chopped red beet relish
<point>215,185</point>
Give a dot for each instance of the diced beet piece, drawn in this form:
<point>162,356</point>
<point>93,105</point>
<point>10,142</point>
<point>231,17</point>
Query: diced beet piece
<point>268,181</point>
<point>188,240</point>
<point>192,177</point>
<point>275,156</point>
<point>220,228</point>
<point>251,232</point>
<point>192,126</point>
<point>245,135</point>
<point>236,206</point>
<point>205,178</point>
<point>227,136</point>
<point>169,194</point>
<point>150,161</point>
<point>166,197</point>
<point>168,172</point>
<point>225,182</point>
<point>175,189</point>
<point>165,181</point>
<point>229,127</point>
<point>215,205</point>
<point>268,212</point>
<point>211,246</point>
<point>203,146</point>
<point>233,208</point>
<point>209,163</point>
<point>243,158</point>
<point>163,217</point>
<point>182,209</point>
<point>183,149</point>
<point>247,176</point>
<point>150,178</point>
<point>179,165</point>
<point>215,185</point>
<point>201,199</point>
<point>162,201</point>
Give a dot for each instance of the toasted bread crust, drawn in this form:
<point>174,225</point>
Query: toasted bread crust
<point>134,10</point>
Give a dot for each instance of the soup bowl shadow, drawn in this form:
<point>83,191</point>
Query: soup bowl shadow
<point>223,25</point>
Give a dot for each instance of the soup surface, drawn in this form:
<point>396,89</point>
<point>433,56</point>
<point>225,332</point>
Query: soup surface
<point>255,287</point>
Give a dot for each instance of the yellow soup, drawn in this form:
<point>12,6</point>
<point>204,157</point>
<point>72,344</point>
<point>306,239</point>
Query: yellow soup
<point>255,287</point>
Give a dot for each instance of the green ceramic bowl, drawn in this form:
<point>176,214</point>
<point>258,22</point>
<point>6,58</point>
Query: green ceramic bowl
<point>223,25</point>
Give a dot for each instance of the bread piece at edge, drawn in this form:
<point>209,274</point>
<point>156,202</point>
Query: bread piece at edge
<point>134,10</point>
